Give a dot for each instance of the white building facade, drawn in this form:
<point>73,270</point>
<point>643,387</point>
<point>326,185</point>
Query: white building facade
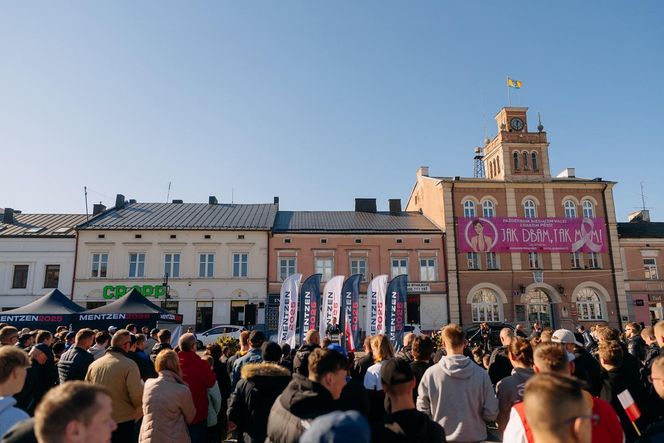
<point>204,261</point>
<point>37,253</point>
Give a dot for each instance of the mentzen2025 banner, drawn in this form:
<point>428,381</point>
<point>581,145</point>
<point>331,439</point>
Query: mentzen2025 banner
<point>510,234</point>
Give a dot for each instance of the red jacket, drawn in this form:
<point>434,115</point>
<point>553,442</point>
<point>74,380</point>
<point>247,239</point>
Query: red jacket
<point>199,376</point>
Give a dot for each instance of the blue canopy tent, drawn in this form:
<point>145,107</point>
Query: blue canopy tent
<point>48,312</point>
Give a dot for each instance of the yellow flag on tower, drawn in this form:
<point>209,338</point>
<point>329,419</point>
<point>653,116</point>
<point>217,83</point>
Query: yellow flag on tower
<point>516,84</point>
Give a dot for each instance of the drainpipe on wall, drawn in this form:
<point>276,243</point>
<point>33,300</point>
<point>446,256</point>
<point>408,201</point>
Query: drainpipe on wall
<point>73,278</point>
<point>456,256</point>
<point>447,279</point>
<point>613,266</point>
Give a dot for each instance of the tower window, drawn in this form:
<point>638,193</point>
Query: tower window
<point>516,161</point>
<point>525,161</point>
<point>533,161</point>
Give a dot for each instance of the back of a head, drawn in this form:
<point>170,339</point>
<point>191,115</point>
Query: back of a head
<point>367,341</point>
<point>312,337</point>
<point>507,334</point>
<point>164,336</point>
<point>256,338</point>
<point>323,361</point>
<point>271,352</point>
<point>285,350</point>
<point>408,339</point>
<point>659,331</point>
<point>244,338</point>
<point>71,401</point>
<point>453,335</point>
<point>551,357</point>
<point>337,427</point>
<point>611,353</point>
<point>42,336</point>
<point>187,342</point>
<point>381,348</point>
<point>11,358</point>
<point>7,332</point>
<point>648,333</point>
<point>548,422</point>
<point>606,333</point>
<point>422,348</point>
<point>168,360</point>
<point>120,337</point>
<point>214,350</point>
<point>522,351</point>
<point>84,334</point>
<point>102,337</point>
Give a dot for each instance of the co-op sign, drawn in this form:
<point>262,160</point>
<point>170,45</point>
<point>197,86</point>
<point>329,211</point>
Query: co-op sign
<point>155,291</point>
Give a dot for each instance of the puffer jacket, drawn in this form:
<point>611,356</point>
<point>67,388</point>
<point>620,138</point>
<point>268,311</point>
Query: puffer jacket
<point>301,359</point>
<point>74,363</point>
<point>253,398</point>
<point>302,401</point>
<point>167,408</point>
<point>121,376</point>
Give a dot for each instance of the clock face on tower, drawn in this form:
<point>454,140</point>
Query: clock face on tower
<point>516,124</point>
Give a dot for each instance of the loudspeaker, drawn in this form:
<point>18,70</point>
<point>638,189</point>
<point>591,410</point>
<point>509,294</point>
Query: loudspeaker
<point>250,314</point>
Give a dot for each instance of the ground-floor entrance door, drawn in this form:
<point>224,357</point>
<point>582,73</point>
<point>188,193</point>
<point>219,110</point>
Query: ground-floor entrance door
<point>203,315</point>
<point>538,308</point>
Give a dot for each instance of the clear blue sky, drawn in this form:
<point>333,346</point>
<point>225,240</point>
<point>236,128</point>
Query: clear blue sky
<point>317,102</point>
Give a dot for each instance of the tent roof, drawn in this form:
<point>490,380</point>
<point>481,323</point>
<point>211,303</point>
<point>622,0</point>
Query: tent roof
<point>55,302</point>
<point>132,303</point>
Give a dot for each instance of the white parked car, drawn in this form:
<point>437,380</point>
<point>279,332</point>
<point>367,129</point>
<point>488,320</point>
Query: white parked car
<point>211,335</point>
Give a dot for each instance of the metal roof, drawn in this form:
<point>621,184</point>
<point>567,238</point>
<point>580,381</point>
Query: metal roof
<point>641,230</point>
<point>41,225</point>
<point>352,221</point>
<point>199,216</point>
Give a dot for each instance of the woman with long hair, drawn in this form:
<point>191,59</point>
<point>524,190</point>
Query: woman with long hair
<point>167,403</point>
<point>382,350</point>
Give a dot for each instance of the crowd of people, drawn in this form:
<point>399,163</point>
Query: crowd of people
<point>125,385</point>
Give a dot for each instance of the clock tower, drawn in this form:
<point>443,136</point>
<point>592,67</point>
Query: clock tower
<point>515,154</point>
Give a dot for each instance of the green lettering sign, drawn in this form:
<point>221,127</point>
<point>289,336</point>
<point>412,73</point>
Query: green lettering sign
<point>155,291</point>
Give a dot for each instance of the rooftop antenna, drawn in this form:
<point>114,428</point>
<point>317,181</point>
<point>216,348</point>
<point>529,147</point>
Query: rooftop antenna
<point>85,190</point>
<point>232,195</point>
<point>643,197</point>
<point>540,126</point>
<point>478,170</point>
<point>168,194</point>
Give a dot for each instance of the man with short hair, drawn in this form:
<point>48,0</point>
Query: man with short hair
<point>75,412</point>
<point>306,398</point>
<point>406,353</point>
<point>8,336</point>
<point>655,432</point>
<point>569,421</point>
<point>74,363</point>
<point>151,340</point>
<point>164,337</point>
<point>552,358</point>
<point>635,344</point>
<point>121,376</point>
<point>132,328</point>
<point>199,376</point>
<point>405,423</point>
<point>659,334</point>
<point>456,393</point>
<point>244,348</point>
<point>499,364</point>
<point>102,342</point>
<point>300,361</point>
<point>333,328</point>
<point>256,340</point>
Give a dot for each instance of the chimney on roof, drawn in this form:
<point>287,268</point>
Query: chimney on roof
<point>132,201</point>
<point>423,171</point>
<point>212,200</point>
<point>178,202</point>
<point>365,205</point>
<point>8,216</point>
<point>98,208</point>
<point>395,206</point>
<point>639,216</point>
<point>119,201</point>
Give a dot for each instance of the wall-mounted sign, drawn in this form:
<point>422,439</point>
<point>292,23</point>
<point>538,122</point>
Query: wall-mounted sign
<point>509,234</point>
<point>156,291</point>
<point>419,287</point>
<point>656,297</point>
<point>639,303</point>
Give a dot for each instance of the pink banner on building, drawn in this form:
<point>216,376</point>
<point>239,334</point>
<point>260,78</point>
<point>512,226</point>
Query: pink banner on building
<point>506,234</point>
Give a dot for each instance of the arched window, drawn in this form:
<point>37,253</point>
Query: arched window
<point>589,305</point>
<point>529,209</point>
<point>487,209</point>
<point>516,161</point>
<point>485,306</point>
<point>588,208</point>
<point>538,305</point>
<point>498,166</point>
<point>491,169</point>
<point>570,209</point>
<point>469,209</point>
<point>525,161</point>
<point>533,161</point>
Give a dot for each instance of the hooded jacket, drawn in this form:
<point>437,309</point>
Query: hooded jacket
<point>458,395</point>
<point>302,401</point>
<point>509,392</point>
<point>253,398</point>
<point>411,426</point>
<point>9,415</point>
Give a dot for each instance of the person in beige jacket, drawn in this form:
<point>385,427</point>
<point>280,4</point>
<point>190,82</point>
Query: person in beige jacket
<point>167,403</point>
<point>121,376</point>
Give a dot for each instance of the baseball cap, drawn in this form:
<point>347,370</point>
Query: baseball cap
<point>337,347</point>
<point>337,427</point>
<point>564,336</point>
<point>395,371</point>
<point>112,329</point>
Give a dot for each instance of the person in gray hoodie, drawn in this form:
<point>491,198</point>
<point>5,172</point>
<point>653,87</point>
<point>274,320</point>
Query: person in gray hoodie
<point>510,389</point>
<point>13,365</point>
<point>457,393</point>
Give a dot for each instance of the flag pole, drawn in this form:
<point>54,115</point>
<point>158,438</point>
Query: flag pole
<point>509,98</point>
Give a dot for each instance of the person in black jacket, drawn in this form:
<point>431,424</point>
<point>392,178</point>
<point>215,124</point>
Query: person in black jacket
<point>635,344</point>
<point>255,393</point>
<point>405,423</point>
<point>499,364</point>
<point>300,361</point>
<point>422,350</point>
<point>361,365</point>
<point>304,399</point>
<point>74,363</point>
<point>145,367</point>
<point>406,353</point>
